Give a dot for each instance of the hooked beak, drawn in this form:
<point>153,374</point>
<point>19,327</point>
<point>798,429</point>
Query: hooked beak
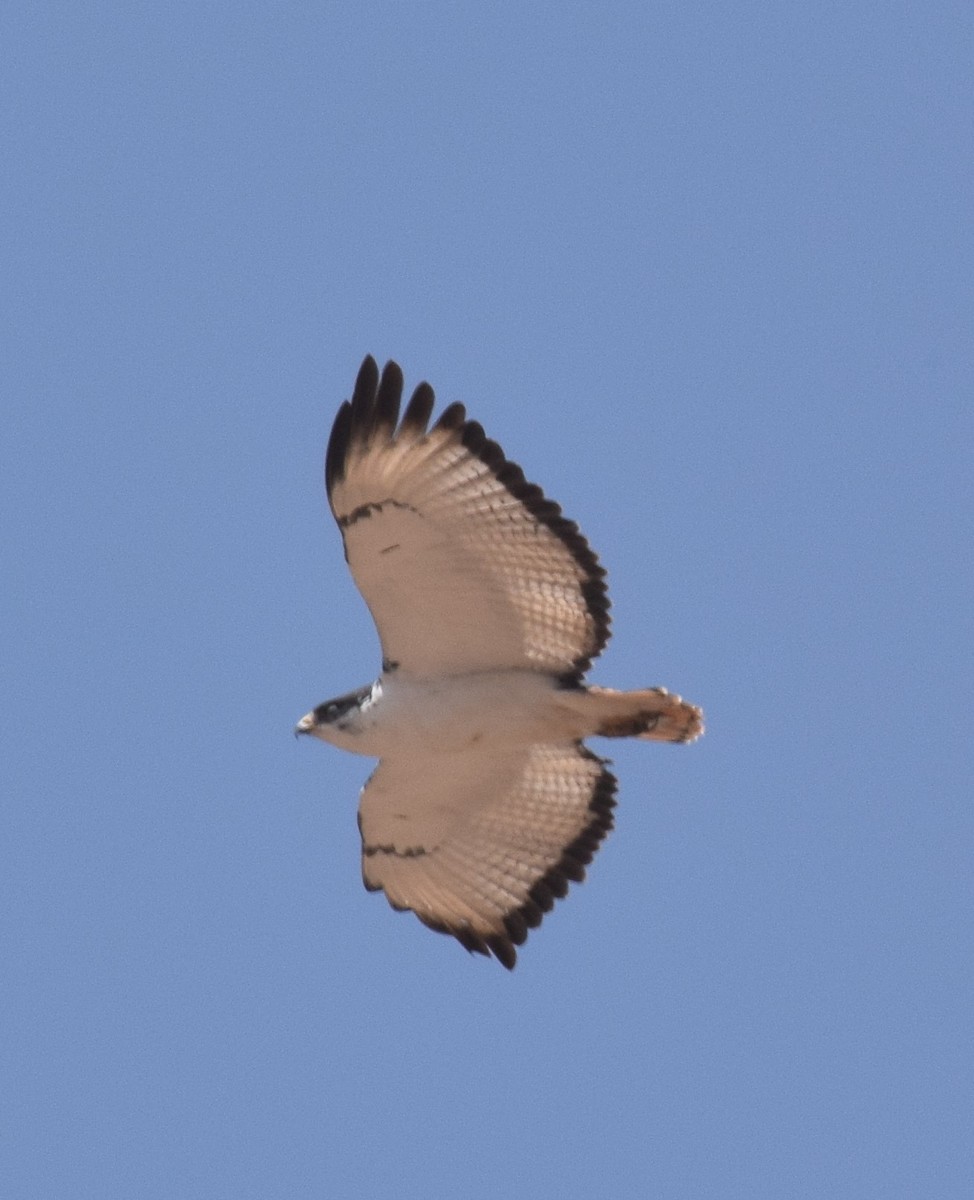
<point>305,725</point>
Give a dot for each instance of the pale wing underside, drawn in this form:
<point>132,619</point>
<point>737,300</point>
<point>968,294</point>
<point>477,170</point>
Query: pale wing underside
<point>480,845</point>
<point>464,565</point>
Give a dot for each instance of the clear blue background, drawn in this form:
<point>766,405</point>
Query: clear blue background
<point>705,271</point>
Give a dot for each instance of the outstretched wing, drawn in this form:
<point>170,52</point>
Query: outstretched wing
<point>480,845</point>
<point>464,565</point>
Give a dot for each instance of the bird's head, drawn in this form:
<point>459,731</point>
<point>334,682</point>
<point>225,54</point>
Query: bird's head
<point>331,721</point>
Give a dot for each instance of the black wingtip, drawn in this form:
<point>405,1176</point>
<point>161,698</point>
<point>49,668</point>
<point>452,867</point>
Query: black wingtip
<point>374,405</point>
<point>503,950</point>
<point>385,411</point>
<point>338,447</point>
<point>375,400</point>
<point>496,945</point>
<point>419,410</point>
<point>452,417</point>
<point>366,385</point>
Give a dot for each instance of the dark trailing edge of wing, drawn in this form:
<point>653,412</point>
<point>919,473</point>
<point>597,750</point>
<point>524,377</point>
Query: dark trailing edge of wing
<point>374,410</point>
<point>549,513</point>
<point>552,886</point>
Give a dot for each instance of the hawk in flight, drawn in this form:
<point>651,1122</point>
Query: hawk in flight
<point>490,608</point>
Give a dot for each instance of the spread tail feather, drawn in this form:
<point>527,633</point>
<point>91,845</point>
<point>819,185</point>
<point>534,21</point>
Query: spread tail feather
<point>653,713</point>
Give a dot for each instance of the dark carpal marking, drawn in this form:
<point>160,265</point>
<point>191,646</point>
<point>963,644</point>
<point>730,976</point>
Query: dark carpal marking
<point>376,506</point>
<point>409,852</point>
<point>389,665</point>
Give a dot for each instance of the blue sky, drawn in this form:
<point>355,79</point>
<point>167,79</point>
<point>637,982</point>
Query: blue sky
<point>705,272</point>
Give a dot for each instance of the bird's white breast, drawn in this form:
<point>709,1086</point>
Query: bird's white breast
<point>406,714</point>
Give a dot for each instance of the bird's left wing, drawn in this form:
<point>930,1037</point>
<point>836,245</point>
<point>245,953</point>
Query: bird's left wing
<point>464,565</point>
<point>481,844</point>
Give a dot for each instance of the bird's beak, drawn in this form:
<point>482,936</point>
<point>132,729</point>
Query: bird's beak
<point>305,725</point>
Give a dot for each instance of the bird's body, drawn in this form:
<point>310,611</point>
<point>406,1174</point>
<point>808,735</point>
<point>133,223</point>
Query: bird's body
<point>452,713</point>
<point>490,606</point>
<point>449,714</point>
